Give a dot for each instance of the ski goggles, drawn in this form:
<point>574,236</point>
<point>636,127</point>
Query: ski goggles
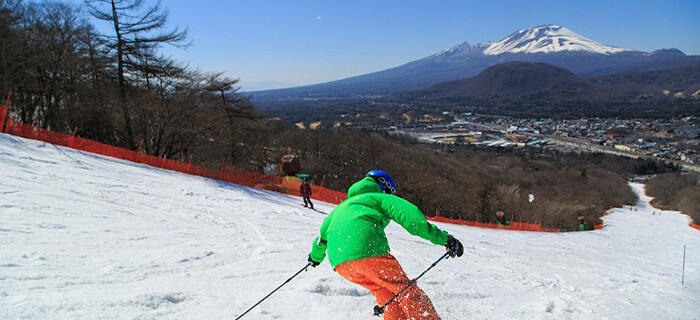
<point>387,187</point>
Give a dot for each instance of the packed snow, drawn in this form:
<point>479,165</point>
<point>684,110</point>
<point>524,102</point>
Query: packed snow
<point>548,39</point>
<point>89,237</point>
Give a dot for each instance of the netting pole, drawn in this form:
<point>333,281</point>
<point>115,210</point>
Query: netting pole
<point>189,165</point>
<point>318,196</point>
<point>72,137</point>
<point>7,111</point>
<point>139,152</point>
<point>2,120</point>
<point>279,175</point>
<point>221,173</point>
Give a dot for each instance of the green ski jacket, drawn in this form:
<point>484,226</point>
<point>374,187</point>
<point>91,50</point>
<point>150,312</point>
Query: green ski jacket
<point>355,228</point>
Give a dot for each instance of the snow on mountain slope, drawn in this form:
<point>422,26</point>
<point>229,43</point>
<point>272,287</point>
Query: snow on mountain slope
<point>88,237</point>
<point>464,48</point>
<point>548,39</point>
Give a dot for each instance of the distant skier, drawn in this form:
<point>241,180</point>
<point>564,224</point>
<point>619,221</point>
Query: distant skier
<point>582,224</point>
<point>353,234</point>
<point>501,219</point>
<point>305,190</point>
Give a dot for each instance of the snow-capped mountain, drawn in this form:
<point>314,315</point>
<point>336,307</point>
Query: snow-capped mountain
<point>548,39</point>
<point>551,44</point>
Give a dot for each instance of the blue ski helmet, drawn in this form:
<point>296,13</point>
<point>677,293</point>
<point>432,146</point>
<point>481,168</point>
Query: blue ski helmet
<point>384,181</point>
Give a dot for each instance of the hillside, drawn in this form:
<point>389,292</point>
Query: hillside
<point>683,79</point>
<point>677,192</point>
<point>511,80</point>
<point>542,84</point>
<point>89,237</point>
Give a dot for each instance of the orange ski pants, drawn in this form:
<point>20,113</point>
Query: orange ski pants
<point>384,278</point>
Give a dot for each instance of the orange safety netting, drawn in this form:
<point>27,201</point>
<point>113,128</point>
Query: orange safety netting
<point>160,162</point>
<point>251,179</point>
<point>521,226</point>
<point>330,196</point>
<point>31,132</point>
<point>102,149</point>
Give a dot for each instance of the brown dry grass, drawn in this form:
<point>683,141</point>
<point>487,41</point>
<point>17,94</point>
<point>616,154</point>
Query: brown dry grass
<point>674,191</point>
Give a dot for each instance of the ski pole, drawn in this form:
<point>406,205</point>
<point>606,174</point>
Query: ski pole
<point>273,291</point>
<point>380,310</point>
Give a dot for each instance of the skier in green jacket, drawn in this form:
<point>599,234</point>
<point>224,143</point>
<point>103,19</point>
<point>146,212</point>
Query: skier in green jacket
<point>582,224</point>
<point>353,235</point>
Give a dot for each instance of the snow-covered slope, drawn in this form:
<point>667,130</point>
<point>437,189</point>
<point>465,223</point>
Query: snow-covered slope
<point>88,237</point>
<point>464,48</point>
<point>548,39</point>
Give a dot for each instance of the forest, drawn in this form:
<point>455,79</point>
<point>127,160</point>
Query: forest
<point>114,86</point>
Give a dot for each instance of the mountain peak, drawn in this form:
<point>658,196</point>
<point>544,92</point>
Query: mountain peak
<point>465,47</point>
<point>668,52</point>
<point>548,39</point>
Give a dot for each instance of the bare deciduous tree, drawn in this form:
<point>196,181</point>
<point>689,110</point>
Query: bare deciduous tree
<point>137,29</point>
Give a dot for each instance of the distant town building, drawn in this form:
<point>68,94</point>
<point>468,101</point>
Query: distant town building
<point>623,147</point>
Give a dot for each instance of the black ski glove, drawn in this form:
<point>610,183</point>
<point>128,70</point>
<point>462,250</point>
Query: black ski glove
<point>454,247</point>
<point>313,263</point>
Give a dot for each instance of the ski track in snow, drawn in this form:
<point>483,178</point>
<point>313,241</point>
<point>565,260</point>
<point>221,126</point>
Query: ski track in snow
<point>88,237</point>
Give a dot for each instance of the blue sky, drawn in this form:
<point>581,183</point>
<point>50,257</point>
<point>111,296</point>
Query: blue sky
<point>271,43</point>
